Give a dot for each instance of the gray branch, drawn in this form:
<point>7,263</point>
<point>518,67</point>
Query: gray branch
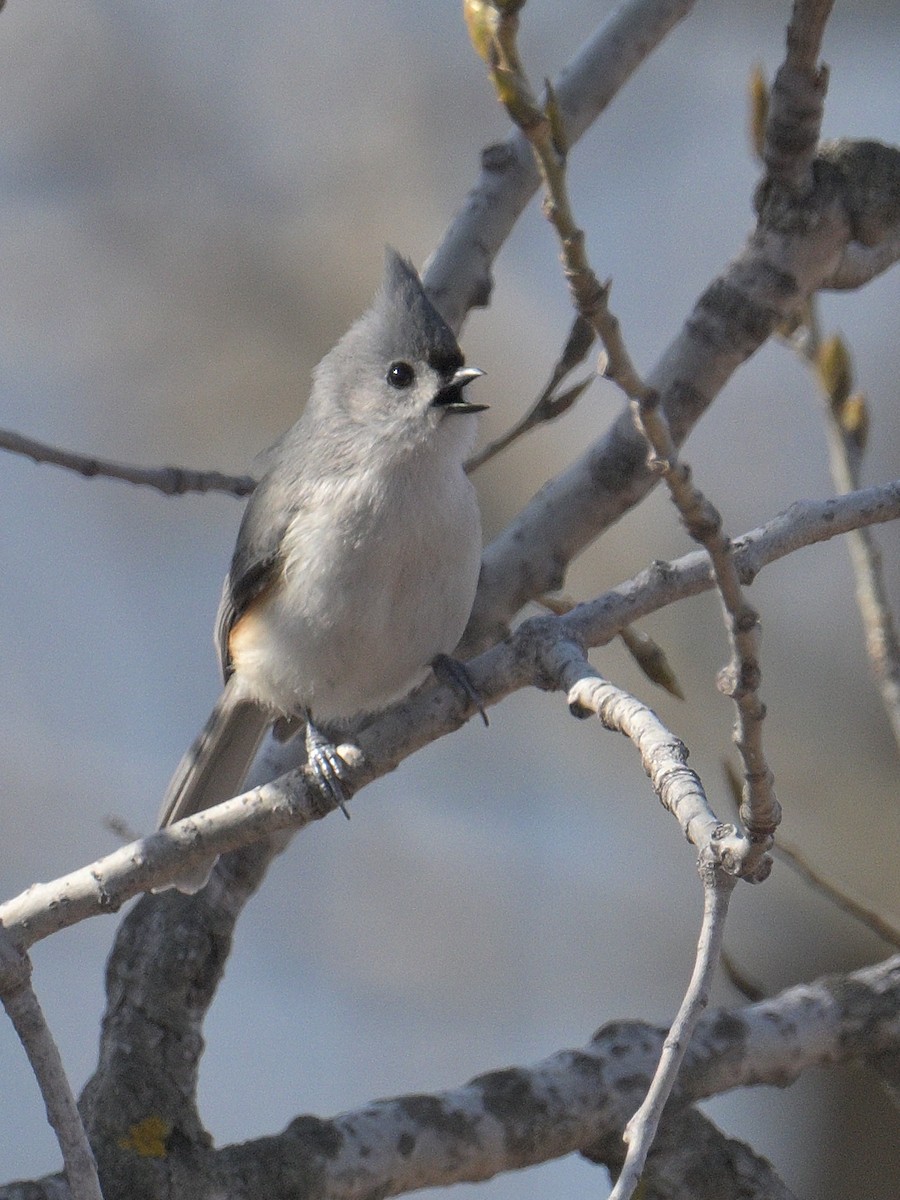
<point>796,249</point>
<point>24,1011</point>
<point>575,1101</point>
<point>171,481</point>
<point>730,1169</point>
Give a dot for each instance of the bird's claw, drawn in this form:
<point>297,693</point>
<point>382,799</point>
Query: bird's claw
<point>327,766</point>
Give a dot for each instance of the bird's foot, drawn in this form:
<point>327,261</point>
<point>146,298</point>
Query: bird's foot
<point>327,766</point>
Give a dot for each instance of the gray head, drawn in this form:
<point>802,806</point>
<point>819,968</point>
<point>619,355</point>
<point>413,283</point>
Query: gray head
<point>399,368</point>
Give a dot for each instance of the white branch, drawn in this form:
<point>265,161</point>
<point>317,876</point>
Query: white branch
<point>664,758</point>
<point>24,1011</point>
<point>641,1129</point>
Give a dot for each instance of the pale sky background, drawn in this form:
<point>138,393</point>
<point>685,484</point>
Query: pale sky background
<point>194,201</point>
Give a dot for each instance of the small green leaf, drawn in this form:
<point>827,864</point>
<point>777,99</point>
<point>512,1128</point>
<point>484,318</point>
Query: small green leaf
<point>853,417</point>
<point>834,370</point>
<point>759,110</point>
<point>481,21</point>
<point>652,660</point>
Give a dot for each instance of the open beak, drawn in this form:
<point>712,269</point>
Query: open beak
<point>450,397</point>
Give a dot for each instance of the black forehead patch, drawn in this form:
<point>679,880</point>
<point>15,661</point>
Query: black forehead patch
<point>446,363</point>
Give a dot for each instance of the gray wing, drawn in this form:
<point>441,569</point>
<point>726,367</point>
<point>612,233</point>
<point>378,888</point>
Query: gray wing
<point>257,558</point>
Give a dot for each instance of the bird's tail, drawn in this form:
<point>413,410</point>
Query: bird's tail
<point>214,767</point>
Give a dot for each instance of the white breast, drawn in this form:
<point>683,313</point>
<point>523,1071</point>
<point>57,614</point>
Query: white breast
<point>379,580</point>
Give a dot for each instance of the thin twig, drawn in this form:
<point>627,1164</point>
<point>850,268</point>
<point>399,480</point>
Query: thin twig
<point>458,275</point>
<point>171,481</point>
<point>846,419</point>
<point>866,916</point>
<point>760,810</point>
<point>544,127</point>
<point>739,979</point>
<point>795,859</point>
<point>725,854</point>
<point>551,403</point>
<point>23,1009</point>
<point>641,1129</point>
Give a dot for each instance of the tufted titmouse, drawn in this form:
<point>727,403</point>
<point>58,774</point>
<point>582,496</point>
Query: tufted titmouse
<point>358,554</point>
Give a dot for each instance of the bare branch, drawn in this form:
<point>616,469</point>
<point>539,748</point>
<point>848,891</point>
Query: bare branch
<point>551,403</point>
<point>544,127</point>
<point>724,853</point>
<point>878,924</point>
<point>760,810</point>
<point>795,859</point>
<point>28,1020</point>
<point>867,173</point>
<point>731,1170</point>
<point>861,264</point>
<point>171,481</point>
<point>641,1129</point>
<point>759,291</point>
<point>846,419</point>
<point>663,756</point>
<point>797,100</point>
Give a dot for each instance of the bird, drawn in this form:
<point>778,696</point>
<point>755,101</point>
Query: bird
<point>358,555</point>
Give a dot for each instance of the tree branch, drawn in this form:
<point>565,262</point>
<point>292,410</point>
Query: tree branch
<point>24,1011</point>
<point>847,421</point>
<point>797,100</point>
<point>641,1128</point>
<point>730,1170</point>
<point>576,1100</point>
<point>171,481</point>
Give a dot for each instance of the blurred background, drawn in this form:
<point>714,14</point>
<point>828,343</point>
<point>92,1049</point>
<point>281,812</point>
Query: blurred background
<point>195,200</point>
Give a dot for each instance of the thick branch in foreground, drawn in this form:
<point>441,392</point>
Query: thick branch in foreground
<point>576,1100</point>
<point>798,93</point>
<point>730,1169</point>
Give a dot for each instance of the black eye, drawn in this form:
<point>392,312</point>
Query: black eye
<point>400,375</point>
